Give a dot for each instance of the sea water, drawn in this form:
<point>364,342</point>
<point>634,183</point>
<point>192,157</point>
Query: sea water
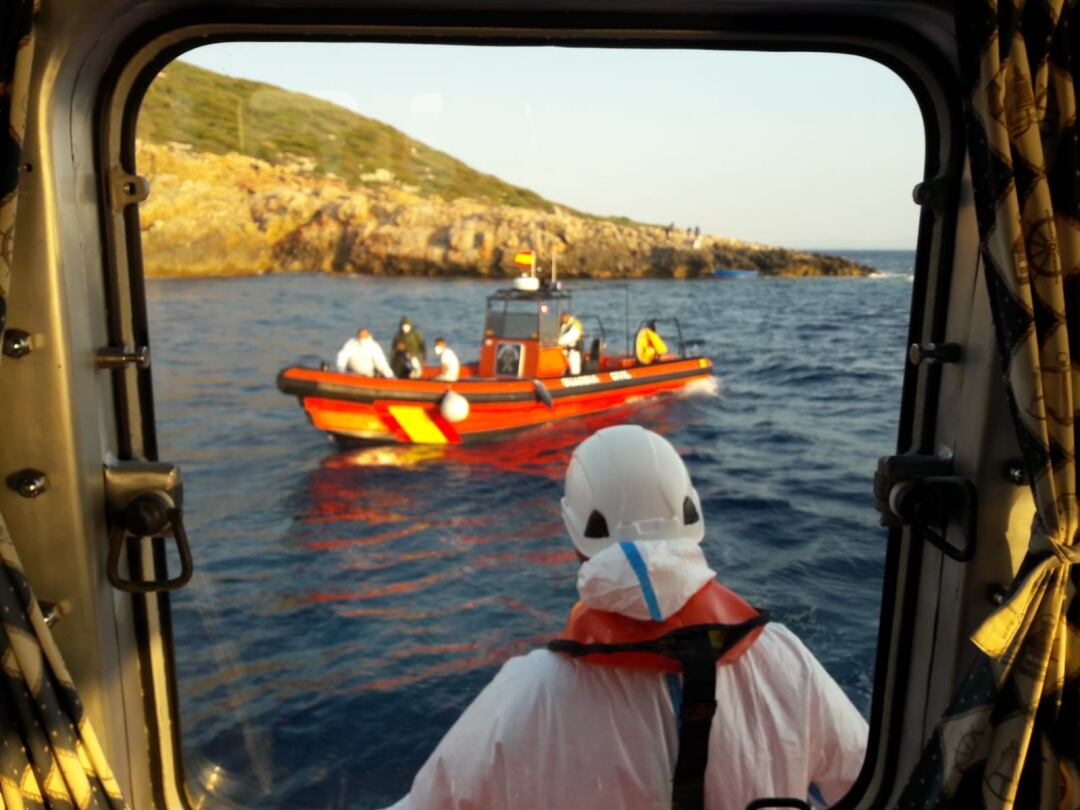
<point>348,604</point>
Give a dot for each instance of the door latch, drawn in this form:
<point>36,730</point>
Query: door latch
<point>114,357</point>
<point>145,499</point>
<point>921,491</point>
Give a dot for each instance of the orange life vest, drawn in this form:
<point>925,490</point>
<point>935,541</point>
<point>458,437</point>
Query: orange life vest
<point>712,629</point>
<point>712,605</point>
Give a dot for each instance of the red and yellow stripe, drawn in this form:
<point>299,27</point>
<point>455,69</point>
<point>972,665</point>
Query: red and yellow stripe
<point>414,424</point>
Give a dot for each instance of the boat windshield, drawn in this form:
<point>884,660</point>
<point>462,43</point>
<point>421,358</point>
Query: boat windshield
<point>518,320</point>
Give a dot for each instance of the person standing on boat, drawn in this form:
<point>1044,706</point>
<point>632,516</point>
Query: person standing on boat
<point>572,340</point>
<point>362,355</point>
<point>606,717</point>
<point>450,367</point>
<point>414,346</point>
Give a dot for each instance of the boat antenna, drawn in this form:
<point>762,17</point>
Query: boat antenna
<point>626,289</point>
<point>554,271</point>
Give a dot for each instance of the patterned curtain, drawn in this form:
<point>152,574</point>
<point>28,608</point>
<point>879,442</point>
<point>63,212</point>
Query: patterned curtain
<point>49,755</point>
<point>1011,736</point>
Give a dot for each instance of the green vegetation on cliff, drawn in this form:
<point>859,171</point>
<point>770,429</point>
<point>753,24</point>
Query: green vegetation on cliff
<point>248,178</point>
<point>218,114</point>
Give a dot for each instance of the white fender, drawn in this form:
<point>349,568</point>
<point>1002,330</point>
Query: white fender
<point>454,407</point>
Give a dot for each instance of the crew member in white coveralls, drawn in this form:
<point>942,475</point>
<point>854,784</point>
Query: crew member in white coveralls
<point>571,339</point>
<point>362,355</point>
<point>449,366</point>
<point>605,718</point>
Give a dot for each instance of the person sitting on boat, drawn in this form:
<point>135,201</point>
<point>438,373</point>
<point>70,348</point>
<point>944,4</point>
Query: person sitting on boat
<point>450,367</point>
<point>572,340</point>
<point>413,339</point>
<point>364,356</point>
<point>605,717</point>
<point>648,345</point>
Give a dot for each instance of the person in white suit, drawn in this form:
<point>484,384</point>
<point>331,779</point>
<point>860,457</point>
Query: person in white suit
<point>625,711</point>
<point>362,355</point>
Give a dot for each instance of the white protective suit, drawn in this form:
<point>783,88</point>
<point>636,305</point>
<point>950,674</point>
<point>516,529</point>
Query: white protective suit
<point>554,733</point>
<point>363,356</point>
<point>450,365</point>
<point>569,337</point>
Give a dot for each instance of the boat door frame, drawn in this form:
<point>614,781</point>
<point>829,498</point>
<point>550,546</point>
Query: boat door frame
<point>96,64</point>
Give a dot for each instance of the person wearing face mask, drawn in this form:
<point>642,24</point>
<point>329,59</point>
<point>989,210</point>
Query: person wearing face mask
<point>414,348</point>
<point>450,367</point>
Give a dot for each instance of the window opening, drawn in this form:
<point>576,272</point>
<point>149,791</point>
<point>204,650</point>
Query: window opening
<point>350,602</point>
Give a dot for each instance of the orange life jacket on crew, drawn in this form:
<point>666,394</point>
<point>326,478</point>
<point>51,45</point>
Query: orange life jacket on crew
<point>713,605</point>
<point>714,628</point>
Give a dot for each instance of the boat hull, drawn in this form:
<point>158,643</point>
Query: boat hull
<point>381,411</point>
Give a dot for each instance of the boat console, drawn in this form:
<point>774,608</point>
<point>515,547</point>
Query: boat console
<point>521,331</point>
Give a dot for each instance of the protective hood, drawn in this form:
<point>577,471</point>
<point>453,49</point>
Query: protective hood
<point>647,580</point>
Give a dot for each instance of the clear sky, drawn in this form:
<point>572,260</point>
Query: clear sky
<point>796,149</point>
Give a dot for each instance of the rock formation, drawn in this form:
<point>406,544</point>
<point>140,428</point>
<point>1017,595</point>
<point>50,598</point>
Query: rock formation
<point>231,214</point>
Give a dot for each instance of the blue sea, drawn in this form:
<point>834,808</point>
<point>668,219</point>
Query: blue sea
<point>349,603</point>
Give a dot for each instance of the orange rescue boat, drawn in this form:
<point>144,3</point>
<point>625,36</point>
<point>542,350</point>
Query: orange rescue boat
<point>521,380</point>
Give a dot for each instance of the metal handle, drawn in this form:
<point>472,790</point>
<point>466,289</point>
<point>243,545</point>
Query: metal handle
<point>147,515</point>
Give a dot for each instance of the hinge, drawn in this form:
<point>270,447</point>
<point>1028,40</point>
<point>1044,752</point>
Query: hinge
<point>921,491</point>
<point>127,189</point>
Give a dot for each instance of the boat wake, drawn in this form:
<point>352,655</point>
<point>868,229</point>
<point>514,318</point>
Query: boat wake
<point>705,387</point>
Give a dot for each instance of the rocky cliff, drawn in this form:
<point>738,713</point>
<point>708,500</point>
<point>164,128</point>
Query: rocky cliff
<point>232,214</point>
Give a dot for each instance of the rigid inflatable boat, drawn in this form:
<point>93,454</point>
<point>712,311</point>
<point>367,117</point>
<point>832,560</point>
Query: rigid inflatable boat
<point>522,379</point>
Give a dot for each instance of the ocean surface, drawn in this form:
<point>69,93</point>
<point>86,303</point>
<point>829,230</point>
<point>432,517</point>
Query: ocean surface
<point>348,604</point>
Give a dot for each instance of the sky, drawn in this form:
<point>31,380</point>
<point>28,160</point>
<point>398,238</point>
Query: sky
<point>803,150</point>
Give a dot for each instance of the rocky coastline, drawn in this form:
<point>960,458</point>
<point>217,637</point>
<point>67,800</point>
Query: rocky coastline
<point>230,215</point>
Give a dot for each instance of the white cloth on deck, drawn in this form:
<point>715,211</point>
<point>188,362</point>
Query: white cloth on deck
<point>363,356</point>
<point>554,732</point>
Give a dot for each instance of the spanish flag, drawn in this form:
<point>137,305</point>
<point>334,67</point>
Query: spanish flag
<point>526,259</point>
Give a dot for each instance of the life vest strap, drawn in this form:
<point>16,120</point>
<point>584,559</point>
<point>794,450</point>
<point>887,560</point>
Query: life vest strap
<point>680,645</point>
<point>698,649</point>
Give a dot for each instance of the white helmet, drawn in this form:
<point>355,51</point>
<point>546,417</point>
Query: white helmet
<point>628,483</point>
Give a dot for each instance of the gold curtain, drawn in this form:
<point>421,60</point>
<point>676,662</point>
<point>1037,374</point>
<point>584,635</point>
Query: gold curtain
<point>1011,736</point>
<point>49,754</point>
